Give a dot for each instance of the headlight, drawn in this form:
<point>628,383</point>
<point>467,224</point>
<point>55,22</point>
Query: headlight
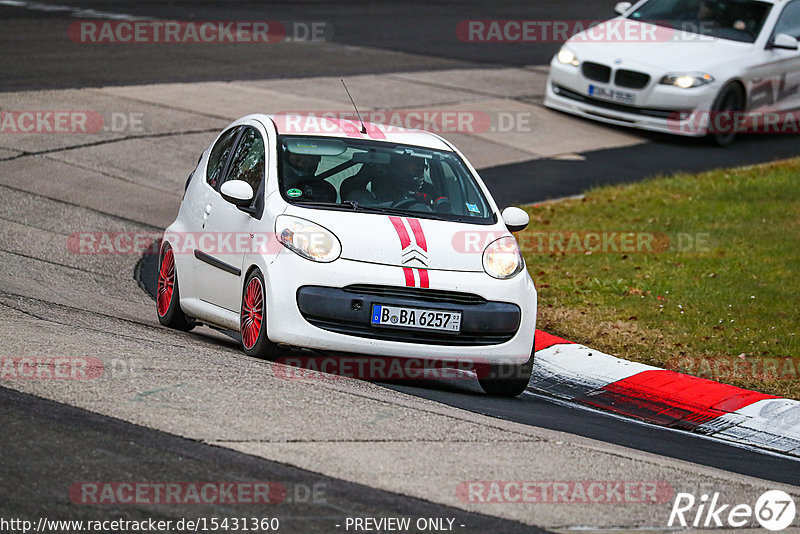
<point>686,81</point>
<point>567,57</point>
<point>307,239</point>
<point>502,258</point>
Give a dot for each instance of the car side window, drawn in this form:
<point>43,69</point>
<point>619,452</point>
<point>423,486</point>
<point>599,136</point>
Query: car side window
<point>219,156</point>
<point>247,162</point>
<point>789,21</point>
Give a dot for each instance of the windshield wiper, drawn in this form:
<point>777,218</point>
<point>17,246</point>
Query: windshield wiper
<point>348,204</point>
<point>355,206</point>
<point>424,214</point>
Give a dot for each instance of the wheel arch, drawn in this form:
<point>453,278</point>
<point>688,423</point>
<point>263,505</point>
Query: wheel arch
<point>742,86</point>
<point>243,280</point>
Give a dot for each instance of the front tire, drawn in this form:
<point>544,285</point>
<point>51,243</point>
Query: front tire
<point>729,101</point>
<point>168,299</point>
<point>506,379</point>
<point>255,341</point>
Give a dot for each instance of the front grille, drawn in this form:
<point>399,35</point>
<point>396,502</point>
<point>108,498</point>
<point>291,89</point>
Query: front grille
<point>596,71</point>
<point>428,295</point>
<point>631,79</point>
<point>673,114</point>
<point>348,310</point>
<point>409,336</point>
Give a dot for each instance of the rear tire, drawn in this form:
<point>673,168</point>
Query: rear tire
<point>168,299</point>
<point>730,100</point>
<point>255,341</point>
<point>506,379</point>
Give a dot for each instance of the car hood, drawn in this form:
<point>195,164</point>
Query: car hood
<point>660,50</point>
<point>406,241</point>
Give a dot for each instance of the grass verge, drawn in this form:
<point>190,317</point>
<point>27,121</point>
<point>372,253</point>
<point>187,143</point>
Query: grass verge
<point>695,273</point>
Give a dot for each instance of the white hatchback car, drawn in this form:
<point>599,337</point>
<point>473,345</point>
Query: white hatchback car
<point>360,238</point>
<point>687,67</point>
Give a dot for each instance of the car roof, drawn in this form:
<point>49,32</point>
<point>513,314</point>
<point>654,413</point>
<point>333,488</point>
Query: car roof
<point>330,126</point>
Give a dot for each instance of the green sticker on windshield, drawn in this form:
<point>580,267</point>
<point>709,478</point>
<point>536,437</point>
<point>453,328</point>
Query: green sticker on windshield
<point>294,193</point>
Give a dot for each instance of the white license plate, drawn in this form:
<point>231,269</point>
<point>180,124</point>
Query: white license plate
<point>612,95</point>
<point>416,318</point>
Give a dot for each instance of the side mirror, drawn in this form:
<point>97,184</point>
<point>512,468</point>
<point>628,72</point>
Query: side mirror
<point>516,219</point>
<point>622,7</point>
<point>237,192</point>
<point>784,41</point>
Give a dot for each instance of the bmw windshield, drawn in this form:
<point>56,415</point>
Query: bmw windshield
<point>736,20</point>
<point>379,177</point>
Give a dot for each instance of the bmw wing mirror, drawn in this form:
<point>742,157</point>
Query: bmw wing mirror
<point>237,192</point>
<point>622,7</point>
<point>784,41</point>
<point>515,219</point>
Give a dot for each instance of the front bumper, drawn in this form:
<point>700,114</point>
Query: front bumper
<point>659,108</point>
<point>348,311</point>
<point>497,327</point>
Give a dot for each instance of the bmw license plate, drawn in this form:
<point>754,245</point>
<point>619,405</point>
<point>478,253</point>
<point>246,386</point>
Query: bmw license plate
<point>416,318</point>
<point>612,95</point>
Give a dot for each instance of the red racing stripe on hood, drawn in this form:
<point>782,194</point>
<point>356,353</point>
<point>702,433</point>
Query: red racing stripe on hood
<point>419,235</point>
<point>423,277</point>
<point>409,272</point>
<point>402,233</point>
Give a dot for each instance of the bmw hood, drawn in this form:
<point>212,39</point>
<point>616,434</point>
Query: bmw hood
<point>406,241</point>
<point>624,42</point>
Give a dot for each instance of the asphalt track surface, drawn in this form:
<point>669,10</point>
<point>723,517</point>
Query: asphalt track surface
<point>547,178</point>
<point>55,445</point>
<point>390,36</point>
<point>44,444</point>
<point>425,32</point>
<point>536,410</point>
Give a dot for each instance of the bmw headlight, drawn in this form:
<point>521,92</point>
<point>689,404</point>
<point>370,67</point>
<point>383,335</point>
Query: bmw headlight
<point>687,81</point>
<point>307,239</point>
<point>502,258</point>
<point>567,57</point>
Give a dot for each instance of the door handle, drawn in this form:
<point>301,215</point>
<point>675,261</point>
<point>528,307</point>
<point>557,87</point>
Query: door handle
<point>207,212</point>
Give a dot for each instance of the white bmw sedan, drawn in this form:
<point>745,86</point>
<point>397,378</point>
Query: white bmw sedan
<point>689,67</point>
<point>339,236</point>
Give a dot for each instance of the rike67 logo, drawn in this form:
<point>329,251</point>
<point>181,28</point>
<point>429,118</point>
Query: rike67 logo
<point>774,510</point>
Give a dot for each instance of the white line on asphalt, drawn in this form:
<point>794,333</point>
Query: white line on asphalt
<point>77,12</point>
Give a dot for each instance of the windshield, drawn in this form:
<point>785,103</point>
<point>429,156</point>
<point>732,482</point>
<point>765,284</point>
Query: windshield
<point>380,177</point>
<point>736,20</point>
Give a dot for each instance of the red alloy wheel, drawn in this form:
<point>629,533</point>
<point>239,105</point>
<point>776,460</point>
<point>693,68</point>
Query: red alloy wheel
<point>252,312</point>
<point>166,282</point>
